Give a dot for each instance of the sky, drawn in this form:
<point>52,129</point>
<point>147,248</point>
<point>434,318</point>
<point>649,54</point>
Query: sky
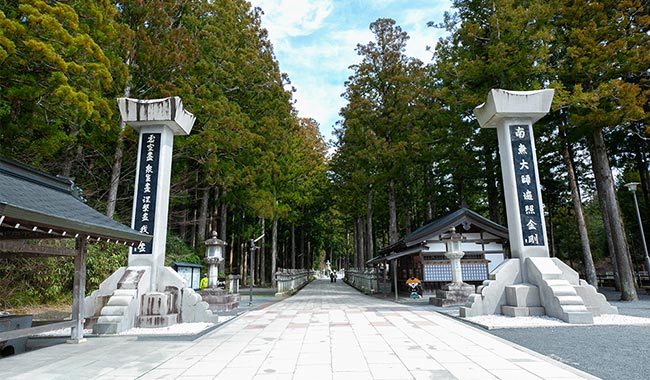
<point>314,42</point>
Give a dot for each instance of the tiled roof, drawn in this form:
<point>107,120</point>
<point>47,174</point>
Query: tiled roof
<point>31,200</point>
<point>442,225</point>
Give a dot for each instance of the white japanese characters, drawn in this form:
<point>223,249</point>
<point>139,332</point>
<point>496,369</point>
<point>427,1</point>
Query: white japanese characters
<point>527,186</point>
<point>145,201</point>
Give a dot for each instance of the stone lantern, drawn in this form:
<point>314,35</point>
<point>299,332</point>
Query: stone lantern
<point>456,292</point>
<point>214,252</point>
<point>216,298</point>
<point>453,241</point>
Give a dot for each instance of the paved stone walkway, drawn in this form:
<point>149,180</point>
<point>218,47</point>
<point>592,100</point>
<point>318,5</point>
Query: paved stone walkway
<point>326,331</point>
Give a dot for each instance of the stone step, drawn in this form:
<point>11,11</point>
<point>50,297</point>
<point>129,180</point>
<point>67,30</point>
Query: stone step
<point>105,328</point>
<point>562,291</point>
<point>113,311</point>
<point>119,301</point>
<point>116,319</point>
<point>515,311</point>
<point>125,292</point>
<point>570,300</point>
<point>582,318</point>
<point>558,282</point>
<point>575,309</point>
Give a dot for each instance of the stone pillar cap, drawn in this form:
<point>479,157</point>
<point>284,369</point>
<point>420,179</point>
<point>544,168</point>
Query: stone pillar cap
<point>140,113</point>
<point>500,104</point>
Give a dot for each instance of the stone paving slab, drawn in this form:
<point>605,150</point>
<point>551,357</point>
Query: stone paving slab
<point>326,331</point>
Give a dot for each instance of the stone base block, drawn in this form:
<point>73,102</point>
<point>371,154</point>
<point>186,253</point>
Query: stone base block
<point>219,300</point>
<point>452,294</point>
<point>154,303</point>
<point>523,295</point>
<point>522,311</point>
<point>152,321</point>
<point>105,328</point>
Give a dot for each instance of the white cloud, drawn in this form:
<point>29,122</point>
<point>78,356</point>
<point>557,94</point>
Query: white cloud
<point>288,18</point>
<point>315,40</point>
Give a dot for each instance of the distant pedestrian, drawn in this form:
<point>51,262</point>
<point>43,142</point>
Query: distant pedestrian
<point>332,276</point>
<point>204,281</point>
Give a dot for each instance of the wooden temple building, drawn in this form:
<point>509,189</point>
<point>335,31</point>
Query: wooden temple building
<point>421,254</point>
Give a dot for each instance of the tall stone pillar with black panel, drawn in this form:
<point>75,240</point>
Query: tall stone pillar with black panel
<point>531,282</point>
<point>146,293</point>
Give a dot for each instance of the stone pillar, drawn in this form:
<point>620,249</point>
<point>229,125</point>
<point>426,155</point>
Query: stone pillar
<point>513,113</point>
<point>213,271</point>
<point>157,121</point>
<point>456,270</point>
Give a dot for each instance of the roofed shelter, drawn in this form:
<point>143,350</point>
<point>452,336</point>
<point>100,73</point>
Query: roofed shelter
<point>421,253</point>
<point>35,208</point>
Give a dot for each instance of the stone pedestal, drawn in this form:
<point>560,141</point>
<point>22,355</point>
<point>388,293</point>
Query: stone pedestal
<point>219,300</point>
<point>452,294</point>
<point>157,309</point>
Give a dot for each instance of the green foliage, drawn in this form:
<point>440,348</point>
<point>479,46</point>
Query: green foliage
<point>177,250</point>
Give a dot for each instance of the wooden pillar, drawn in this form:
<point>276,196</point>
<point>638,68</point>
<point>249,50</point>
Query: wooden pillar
<point>79,292</point>
<point>395,279</point>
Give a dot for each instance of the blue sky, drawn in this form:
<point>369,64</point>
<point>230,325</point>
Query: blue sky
<point>315,40</point>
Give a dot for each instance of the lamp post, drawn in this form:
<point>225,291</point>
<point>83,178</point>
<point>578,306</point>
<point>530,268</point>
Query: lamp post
<point>632,187</point>
<point>252,252</point>
<point>214,249</point>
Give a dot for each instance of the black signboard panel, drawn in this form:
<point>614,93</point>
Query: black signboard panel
<point>527,184</point>
<point>145,202</point>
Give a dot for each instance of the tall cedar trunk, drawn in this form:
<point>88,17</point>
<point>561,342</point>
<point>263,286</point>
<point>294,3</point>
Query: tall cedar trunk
<point>231,257</point>
<point>492,189</point>
<point>607,197</point>
<point>243,262</point>
<point>116,172</point>
<point>302,248</point>
<point>203,216</point>
<point>392,214</point>
<point>310,259</point>
<point>429,199</point>
<point>369,240</point>
<point>117,159</point>
<point>355,241</point>
<point>263,254</point>
<point>293,245</point>
<point>360,243</point>
<point>588,260</point>
<point>407,220</point>
<point>347,250</point>
<point>611,250</point>
<point>274,249</point>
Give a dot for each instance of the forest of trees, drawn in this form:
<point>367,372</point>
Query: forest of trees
<point>407,148</point>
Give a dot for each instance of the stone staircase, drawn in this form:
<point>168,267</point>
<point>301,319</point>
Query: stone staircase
<point>122,306</point>
<point>557,294</point>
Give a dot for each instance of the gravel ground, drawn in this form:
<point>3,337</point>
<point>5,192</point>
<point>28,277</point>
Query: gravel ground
<point>609,352</point>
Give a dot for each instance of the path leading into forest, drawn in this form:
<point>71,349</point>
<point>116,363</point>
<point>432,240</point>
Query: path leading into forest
<point>326,331</point>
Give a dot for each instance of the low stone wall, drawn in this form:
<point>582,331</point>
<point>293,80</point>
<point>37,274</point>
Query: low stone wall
<point>364,279</point>
<point>290,281</point>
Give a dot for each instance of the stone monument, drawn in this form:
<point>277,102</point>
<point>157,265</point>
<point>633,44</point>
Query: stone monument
<point>146,293</point>
<point>456,292</point>
<point>531,282</point>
